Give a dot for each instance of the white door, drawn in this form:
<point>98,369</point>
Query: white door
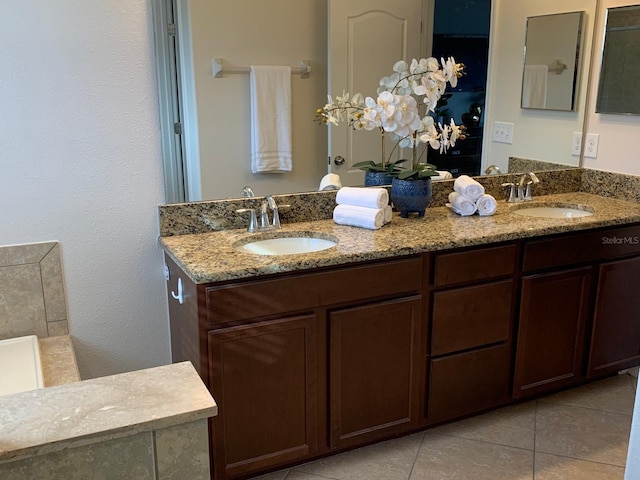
<point>366,37</point>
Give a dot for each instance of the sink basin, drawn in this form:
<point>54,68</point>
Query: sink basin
<point>553,212</point>
<point>285,245</point>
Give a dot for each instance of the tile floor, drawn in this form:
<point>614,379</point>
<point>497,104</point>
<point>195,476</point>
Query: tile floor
<point>579,434</point>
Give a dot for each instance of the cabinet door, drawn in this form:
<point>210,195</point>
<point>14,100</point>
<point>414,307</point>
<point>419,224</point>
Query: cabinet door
<point>553,311</point>
<point>375,364</point>
<point>615,340</point>
<point>263,377</point>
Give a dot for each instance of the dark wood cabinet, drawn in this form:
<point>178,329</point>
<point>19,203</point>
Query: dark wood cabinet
<point>318,361</point>
<point>471,332</point>
<point>374,370</point>
<point>264,378</point>
<point>550,345</point>
<point>615,336</point>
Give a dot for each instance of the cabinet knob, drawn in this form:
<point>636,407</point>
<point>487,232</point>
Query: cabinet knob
<point>338,160</point>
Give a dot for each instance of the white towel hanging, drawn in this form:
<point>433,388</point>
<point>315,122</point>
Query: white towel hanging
<point>270,119</point>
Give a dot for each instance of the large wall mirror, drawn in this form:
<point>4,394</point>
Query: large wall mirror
<point>215,111</point>
<point>552,61</point>
<point>617,89</point>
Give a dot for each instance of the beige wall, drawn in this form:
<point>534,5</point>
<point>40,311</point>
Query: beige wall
<point>244,32</point>
<point>538,134</point>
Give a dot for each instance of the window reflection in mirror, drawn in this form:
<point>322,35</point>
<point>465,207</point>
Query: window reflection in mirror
<point>552,58</point>
<point>617,90</point>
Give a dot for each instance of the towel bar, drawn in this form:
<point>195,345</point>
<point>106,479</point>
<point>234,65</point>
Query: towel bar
<point>304,70</point>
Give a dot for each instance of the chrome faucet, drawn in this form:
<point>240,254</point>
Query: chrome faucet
<point>524,189</point>
<point>247,191</point>
<point>492,169</point>
<point>521,191</point>
<point>270,203</point>
<point>267,204</point>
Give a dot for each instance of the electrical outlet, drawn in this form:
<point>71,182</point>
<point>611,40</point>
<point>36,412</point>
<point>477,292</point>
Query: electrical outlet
<point>502,132</point>
<point>576,145</point>
<point>591,145</point>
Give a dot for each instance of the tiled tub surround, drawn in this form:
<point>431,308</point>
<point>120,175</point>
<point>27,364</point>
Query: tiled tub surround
<point>58,360</point>
<point>148,424</point>
<point>32,296</point>
<point>210,257</point>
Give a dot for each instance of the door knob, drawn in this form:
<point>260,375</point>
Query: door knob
<point>338,160</point>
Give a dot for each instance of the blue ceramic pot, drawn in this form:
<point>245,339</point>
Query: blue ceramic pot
<point>375,179</point>
<point>411,196</point>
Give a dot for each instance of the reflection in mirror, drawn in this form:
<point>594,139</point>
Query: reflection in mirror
<point>215,111</point>
<point>552,59</point>
<point>617,90</point>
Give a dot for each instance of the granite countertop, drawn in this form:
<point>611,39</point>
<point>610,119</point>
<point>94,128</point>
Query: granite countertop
<point>210,257</point>
<point>58,360</point>
<point>80,413</point>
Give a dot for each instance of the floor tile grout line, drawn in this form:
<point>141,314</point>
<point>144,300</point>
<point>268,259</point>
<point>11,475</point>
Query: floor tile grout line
<point>413,465</point>
<point>481,441</point>
<point>585,408</point>
<point>583,460</point>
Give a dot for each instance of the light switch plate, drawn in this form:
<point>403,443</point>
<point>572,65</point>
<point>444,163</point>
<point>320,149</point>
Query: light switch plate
<point>576,144</point>
<point>591,145</point>
<point>502,132</point>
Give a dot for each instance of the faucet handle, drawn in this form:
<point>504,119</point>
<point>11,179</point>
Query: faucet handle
<point>512,192</point>
<point>253,221</point>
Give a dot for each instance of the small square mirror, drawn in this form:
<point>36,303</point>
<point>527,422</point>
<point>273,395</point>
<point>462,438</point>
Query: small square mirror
<point>551,61</point>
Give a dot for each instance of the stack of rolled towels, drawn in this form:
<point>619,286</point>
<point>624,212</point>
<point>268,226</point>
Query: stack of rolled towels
<point>468,197</point>
<point>363,207</point>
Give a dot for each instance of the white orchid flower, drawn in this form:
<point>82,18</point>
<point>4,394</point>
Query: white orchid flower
<point>431,136</point>
<point>400,66</point>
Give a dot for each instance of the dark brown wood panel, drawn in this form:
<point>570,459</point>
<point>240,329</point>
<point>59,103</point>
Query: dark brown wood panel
<point>472,265</point>
<point>581,247</point>
<point>469,382</point>
<point>375,367</point>
<point>471,317</point>
<point>291,293</point>
<point>615,340</point>
<point>550,347</point>
<point>183,322</point>
<point>264,379</point>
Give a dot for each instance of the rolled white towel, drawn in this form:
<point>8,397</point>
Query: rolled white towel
<point>462,205</point>
<point>442,175</point>
<point>355,216</point>
<point>363,197</point>
<point>330,181</point>
<point>388,213</point>
<point>468,187</point>
<point>487,205</point>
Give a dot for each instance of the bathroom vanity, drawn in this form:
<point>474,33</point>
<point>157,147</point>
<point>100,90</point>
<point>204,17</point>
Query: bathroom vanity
<point>396,330</point>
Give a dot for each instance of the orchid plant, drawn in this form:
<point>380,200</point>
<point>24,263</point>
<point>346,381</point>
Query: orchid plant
<point>402,96</point>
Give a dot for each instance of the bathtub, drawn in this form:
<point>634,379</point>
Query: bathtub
<point>20,366</point>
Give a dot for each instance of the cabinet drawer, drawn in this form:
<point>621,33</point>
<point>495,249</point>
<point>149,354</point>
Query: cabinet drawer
<point>469,382</point>
<point>471,317</point>
<point>472,265</point>
<point>233,302</point>
<point>581,247</point>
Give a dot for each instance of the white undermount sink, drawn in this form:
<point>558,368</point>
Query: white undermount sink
<point>285,245</point>
<point>553,212</point>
